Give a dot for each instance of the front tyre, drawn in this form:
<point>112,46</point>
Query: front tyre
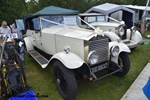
<point>65,81</point>
<point>124,63</point>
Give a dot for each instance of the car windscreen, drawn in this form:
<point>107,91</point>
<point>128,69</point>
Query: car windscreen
<point>49,21</point>
<point>92,19</point>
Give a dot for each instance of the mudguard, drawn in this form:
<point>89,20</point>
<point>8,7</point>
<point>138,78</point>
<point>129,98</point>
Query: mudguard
<point>28,43</point>
<point>136,37</point>
<point>70,60</point>
<point>112,36</point>
<point>122,48</point>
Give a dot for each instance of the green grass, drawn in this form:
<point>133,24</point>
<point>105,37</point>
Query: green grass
<point>109,88</point>
<point>147,33</point>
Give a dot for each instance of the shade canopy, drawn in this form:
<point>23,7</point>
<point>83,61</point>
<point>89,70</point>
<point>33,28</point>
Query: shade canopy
<point>52,10</point>
<point>49,11</point>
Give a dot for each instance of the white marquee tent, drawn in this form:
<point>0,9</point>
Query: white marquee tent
<point>139,10</point>
<point>119,12</point>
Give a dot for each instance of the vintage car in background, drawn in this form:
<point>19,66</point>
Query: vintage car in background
<point>75,53</point>
<point>115,30</point>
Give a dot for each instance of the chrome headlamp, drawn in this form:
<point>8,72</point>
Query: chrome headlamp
<point>133,29</point>
<point>93,57</point>
<point>121,30</point>
<point>114,51</point>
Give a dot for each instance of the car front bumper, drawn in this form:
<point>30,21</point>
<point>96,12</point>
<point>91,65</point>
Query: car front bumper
<point>132,44</point>
<point>107,66</point>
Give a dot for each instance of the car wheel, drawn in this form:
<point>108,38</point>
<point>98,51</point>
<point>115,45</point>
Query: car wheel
<point>124,63</point>
<point>65,81</point>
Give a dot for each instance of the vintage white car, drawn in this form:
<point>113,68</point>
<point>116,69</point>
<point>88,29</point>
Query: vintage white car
<point>75,53</point>
<point>115,30</point>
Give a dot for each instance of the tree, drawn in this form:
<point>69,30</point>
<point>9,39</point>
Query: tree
<point>11,10</point>
<point>139,2</point>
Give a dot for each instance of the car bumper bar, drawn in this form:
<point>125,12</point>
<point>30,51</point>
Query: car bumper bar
<point>136,45</point>
<point>96,79</point>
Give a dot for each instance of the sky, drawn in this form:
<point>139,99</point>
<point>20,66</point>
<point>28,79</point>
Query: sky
<point>29,0</point>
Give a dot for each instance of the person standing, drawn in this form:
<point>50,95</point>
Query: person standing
<point>4,29</point>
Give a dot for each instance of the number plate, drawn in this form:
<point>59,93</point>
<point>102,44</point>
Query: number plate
<point>13,36</point>
<point>99,67</point>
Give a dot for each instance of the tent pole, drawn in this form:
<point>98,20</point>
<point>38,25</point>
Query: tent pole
<point>144,14</point>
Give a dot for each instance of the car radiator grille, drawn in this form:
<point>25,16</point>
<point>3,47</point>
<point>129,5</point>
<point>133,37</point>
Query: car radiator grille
<point>101,46</point>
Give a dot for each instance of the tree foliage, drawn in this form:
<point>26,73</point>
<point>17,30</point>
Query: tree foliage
<point>13,9</point>
<point>81,5</point>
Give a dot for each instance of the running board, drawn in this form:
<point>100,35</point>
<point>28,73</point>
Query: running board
<point>39,58</point>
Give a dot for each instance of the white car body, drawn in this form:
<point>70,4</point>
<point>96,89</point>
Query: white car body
<point>131,39</point>
<point>53,40</point>
<point>78,50</point>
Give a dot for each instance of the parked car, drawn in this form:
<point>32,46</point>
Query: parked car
<point>114,29</point>
<point>75,53</point>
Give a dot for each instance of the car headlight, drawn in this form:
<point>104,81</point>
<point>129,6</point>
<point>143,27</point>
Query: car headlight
<point>133,29</point>
<point>93,57</point>
<point>115,51</point>
<point>121,30</point>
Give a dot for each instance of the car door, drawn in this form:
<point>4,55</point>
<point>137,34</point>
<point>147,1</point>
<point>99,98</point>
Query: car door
<point>36,34</point>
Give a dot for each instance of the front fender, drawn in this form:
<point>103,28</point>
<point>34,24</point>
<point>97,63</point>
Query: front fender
<point>70,60</point>
<point>136,37</point>
<point>112,36</point>
<point>122,48</point>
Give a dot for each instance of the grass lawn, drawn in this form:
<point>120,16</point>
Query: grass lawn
<point>109,88</point>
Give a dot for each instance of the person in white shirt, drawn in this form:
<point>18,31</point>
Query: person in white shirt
<point>4,29</point>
